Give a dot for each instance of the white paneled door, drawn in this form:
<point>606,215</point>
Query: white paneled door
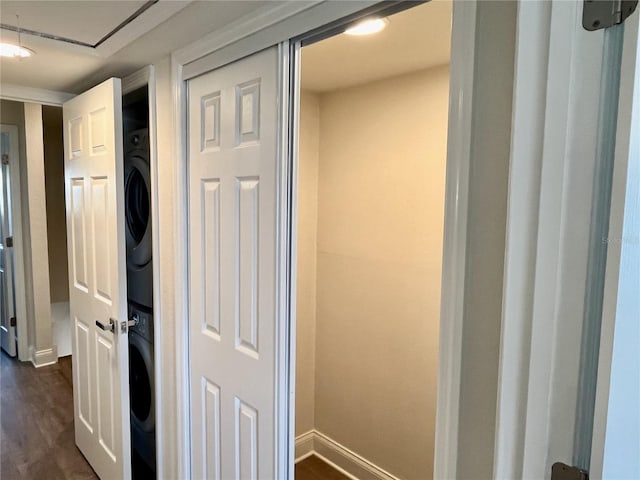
<point>233,118</point>
<point>97,277</point>
<point>7,290</point>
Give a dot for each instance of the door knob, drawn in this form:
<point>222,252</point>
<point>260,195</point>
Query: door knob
<point>106,328</point>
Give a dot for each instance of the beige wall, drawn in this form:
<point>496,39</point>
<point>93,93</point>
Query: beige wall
<point>307,261</point>
<point>56,217</point>
<point>43,348</point>
<point>379,253</point>
<point>29,119</point>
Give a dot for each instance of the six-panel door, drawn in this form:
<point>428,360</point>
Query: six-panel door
<point>232,116</point>
<point>97,277</point>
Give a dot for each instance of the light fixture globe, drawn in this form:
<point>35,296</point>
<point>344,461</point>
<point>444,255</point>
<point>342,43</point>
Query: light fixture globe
<point>367,27</point>
<point>14,51</point>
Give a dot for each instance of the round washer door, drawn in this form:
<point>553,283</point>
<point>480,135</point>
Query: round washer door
<point>137,194</point>
<point>141,385</point>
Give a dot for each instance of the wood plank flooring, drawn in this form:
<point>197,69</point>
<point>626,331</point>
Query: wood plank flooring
<point>313,468</point>
<point>36,423</point>
<point>36,427</point>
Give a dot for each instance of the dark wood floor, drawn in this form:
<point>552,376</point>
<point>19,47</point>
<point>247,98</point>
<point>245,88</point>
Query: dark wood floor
<point>36,427</point>
<point>312,468</point>
<point>36,423</point>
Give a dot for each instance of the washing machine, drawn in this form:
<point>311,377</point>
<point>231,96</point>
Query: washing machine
<point>137,192</point>
<point>142,394</point>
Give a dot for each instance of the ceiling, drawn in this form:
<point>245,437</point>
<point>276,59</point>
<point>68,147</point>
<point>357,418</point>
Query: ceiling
<point>86,22</point>
<point>414,39</point>
<point>160,29</point>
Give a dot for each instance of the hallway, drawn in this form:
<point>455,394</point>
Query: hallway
<point>36,417</point>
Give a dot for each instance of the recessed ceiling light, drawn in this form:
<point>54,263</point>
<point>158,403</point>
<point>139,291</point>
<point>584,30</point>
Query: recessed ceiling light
<point>14,51</point>
<point>367,27</point>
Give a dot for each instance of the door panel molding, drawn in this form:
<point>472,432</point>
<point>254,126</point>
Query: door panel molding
<point>94,184</point>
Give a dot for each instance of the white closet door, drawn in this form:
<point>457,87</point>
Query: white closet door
<point>97,277</point>
<point>232,157</point>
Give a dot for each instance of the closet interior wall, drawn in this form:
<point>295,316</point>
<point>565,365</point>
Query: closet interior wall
<point>370,227</point>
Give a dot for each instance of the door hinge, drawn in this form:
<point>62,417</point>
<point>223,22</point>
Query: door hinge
<point>8,242</point>
<point>561,471</point>
<point>12,322</point>
<point>5,159</point>
<point>598,14</point>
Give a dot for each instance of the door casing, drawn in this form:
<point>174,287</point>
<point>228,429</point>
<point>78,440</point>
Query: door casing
<point>18,248</point>
<point>277,26</point>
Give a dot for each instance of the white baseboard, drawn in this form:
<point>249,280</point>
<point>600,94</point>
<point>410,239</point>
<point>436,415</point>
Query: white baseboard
<point>42,358</point>
<point>338,456</point>
<point>304,445</point>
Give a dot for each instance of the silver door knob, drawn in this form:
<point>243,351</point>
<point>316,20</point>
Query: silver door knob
<point>106,328</point>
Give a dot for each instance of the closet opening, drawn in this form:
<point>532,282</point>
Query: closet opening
<point>372,153</point>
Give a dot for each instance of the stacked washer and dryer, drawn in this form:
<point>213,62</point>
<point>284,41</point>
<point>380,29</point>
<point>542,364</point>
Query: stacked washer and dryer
<point>137,190</point>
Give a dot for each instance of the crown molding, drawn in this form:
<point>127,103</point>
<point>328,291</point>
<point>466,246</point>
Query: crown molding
<point>19,93</point>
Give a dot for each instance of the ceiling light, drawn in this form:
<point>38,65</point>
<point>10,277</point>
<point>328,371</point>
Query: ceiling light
<point>14,51</point>
<point>367,27</point>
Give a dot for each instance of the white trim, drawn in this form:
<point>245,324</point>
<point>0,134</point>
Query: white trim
<point>339,457</point>
<point>557,139</point>
<point>455,238</point>
<point>294,97</point>
<point>161,415</point>
<point>284,356</point>
<point>18,246</point>
<point>181,273</point>
<point>304,445</point>
<point>18,93</point>
<point>529,96</point>
<point>146,76</point>
<point>139,79</point>
<point>336,467</point>
<point>42,358</point>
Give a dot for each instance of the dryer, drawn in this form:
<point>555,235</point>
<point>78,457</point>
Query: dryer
<point>137,192</point>
<point>142,394</point>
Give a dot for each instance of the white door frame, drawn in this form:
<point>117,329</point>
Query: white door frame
<point>556,145</point>
<point>146,77</point>
<point>270,26</point>
<point>18,253</point>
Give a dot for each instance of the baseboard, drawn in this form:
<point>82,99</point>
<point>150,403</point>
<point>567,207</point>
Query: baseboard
<point>340,457</point>
<point>304,445</point>
<point>42,358</point>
